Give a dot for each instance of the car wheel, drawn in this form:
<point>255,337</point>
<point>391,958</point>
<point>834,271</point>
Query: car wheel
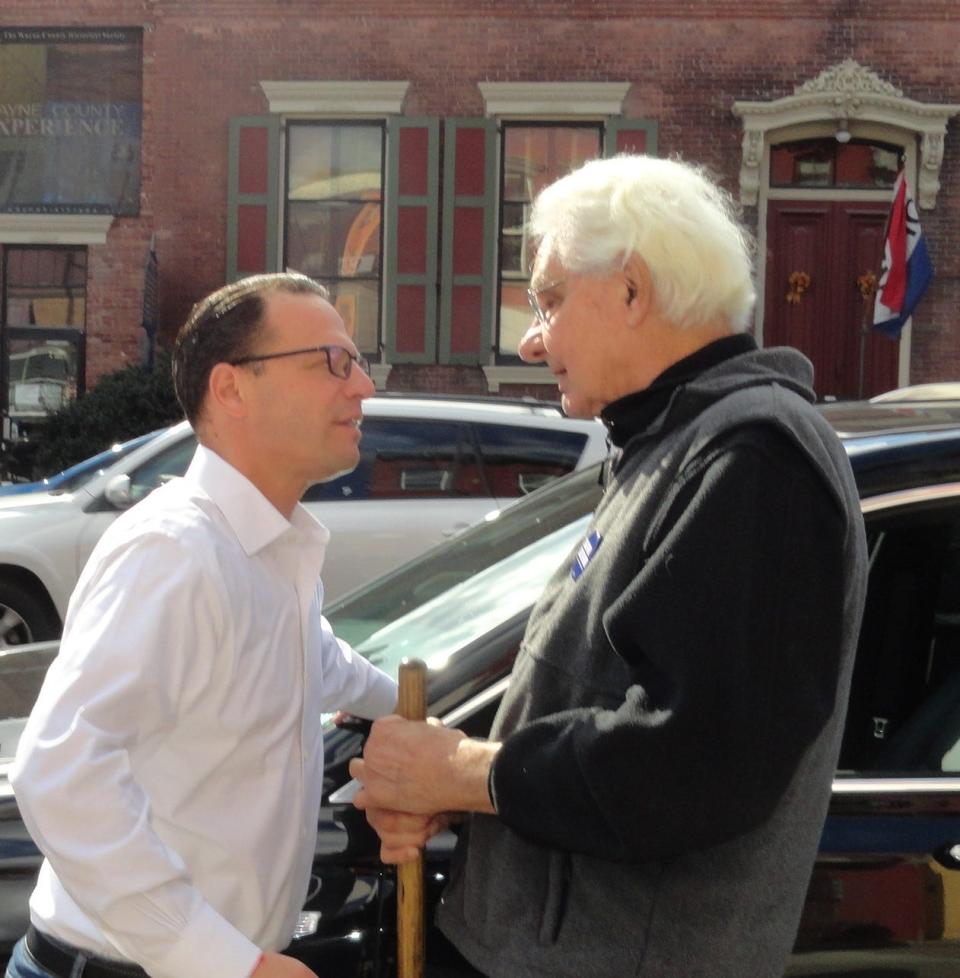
<point>24,617</point>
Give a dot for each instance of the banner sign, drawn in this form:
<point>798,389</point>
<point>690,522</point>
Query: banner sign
<point>71,106</point>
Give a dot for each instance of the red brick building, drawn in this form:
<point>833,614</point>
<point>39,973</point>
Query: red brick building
<point>391,149</point>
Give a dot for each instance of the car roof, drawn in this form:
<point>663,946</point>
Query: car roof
<point>948,390</point>
<point>545,414</point>
<point>894,445</point>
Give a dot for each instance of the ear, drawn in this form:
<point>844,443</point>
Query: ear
<point>639,294</point>
<point>225,391</point>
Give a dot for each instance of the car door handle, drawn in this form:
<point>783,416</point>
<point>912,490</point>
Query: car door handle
<point>452,531</point>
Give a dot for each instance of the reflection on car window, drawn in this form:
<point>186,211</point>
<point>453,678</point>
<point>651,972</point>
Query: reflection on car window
<point>518,460</point>
<point>470,609</point>
<point>904,712</point>
<point>409,459</point>
<point>173,461</point>
<point>415,585</point>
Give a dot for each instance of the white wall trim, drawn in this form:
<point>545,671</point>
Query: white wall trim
<point>341,98</point>
<point>497,375</point>
<point>55,229</point>
<point>553,98</point>
<point>847,94</point>
<point>379,374</point>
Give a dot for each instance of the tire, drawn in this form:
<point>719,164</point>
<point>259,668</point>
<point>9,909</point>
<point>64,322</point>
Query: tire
<point>25,616</point>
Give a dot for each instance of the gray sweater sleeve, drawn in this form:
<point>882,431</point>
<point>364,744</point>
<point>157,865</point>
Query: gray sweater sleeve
<point>734,621</point>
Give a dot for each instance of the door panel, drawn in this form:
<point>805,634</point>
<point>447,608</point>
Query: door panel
<point>884,898</point>
<point>880,900</point>
<point>817,254</point>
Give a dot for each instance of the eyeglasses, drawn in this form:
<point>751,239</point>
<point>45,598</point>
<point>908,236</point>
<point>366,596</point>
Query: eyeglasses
<point>340,361</point>
<point>538,310</point>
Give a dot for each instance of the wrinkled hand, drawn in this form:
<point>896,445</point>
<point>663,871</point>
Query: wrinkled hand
<point>280,966</point>
<point>403,835</point>
<point>422,768</point>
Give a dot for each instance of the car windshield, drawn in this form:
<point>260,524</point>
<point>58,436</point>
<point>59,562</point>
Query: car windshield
<point>455,593</point>
<point>77,475</point>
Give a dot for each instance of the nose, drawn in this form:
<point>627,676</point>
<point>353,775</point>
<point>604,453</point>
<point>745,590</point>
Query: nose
<point>361,384</point>
<point>530,347</point>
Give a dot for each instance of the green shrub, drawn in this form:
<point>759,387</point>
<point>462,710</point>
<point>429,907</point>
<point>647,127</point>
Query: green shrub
<point>122,405</point>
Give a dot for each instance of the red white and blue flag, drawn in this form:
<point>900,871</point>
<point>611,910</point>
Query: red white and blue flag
<point>906,270</point>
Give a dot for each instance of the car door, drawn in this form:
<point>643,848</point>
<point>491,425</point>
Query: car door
<point>885,893</point>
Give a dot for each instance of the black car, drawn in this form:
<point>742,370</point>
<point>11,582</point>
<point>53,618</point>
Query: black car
<point>885,894</point>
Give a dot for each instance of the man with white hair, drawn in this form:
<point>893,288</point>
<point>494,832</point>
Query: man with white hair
<point>655,783</point>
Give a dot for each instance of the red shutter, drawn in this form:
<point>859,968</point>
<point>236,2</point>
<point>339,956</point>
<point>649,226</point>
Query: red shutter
<point>470,220</point>
<point>253,196</point>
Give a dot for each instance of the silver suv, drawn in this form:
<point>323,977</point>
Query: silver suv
<point>429,467</point>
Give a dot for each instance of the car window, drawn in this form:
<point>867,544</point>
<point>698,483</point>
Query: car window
<point>173,461</point>
<point>904,710</point>
<point>437,629</point>
<point>518,459</point>
<point>404,458</point>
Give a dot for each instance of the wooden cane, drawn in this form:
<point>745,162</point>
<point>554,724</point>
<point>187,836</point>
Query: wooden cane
<point>412,705</point>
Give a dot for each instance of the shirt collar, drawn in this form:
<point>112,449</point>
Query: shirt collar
<point>253,518</point>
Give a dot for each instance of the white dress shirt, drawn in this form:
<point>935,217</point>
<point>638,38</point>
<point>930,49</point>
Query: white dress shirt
<point>171,769</point>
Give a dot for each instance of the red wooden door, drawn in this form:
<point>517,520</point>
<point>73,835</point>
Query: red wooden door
<point>818,255</point>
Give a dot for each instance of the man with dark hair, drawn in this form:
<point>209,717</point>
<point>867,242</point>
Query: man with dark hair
<point>654,787</point>
<point>171,770</point>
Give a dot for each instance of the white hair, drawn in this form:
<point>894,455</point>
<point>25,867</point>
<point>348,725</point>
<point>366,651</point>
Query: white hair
<point>683,226</point>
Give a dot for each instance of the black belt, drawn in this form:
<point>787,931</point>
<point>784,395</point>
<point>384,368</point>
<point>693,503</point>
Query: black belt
<point>60,959</point>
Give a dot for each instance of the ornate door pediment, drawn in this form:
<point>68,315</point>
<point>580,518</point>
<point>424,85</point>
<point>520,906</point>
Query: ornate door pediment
<point>846,94</point>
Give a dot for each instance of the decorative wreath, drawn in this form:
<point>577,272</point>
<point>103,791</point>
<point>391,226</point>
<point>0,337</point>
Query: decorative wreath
<point>799,282</point>
<point>867,284</point>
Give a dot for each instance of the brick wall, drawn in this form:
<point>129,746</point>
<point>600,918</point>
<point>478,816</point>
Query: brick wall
<point>687,62</point>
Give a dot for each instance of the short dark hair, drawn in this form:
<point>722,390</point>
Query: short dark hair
<point>222,328</point>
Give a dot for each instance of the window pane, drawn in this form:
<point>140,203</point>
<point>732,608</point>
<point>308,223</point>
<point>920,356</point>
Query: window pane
<point>533,157</point>
<point>333,218</point>
<point>334,239</point>
<point>46,286</point>
<point>515,315</point>
<point>413,459</point>
<point>827,163</point>
<point>862,164</point>
<point>518,460</point>
<point>904,713</point>
<point>334,162</point>
<point>808,163</point>
<point>358,303</point>
<point>42,375</point>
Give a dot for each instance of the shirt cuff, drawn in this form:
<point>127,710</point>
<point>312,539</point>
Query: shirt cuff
<point>209,947</point>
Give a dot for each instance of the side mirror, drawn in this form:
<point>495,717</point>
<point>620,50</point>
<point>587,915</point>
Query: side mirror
<point>117,492</point>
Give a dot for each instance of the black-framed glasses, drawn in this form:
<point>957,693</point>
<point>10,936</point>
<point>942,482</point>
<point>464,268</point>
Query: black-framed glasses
<point>340,361</point>
<point>538,311</point>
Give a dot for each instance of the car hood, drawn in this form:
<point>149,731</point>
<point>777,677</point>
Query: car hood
<point>43,507</point>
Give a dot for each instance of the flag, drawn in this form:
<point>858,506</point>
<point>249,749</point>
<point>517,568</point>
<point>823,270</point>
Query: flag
<point>906,270</point>
<point>150,318</point>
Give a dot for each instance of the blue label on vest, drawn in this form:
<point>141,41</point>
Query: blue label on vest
<point>585,553</point>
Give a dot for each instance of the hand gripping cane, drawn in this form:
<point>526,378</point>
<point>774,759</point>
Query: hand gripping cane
<point>412,705</point>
